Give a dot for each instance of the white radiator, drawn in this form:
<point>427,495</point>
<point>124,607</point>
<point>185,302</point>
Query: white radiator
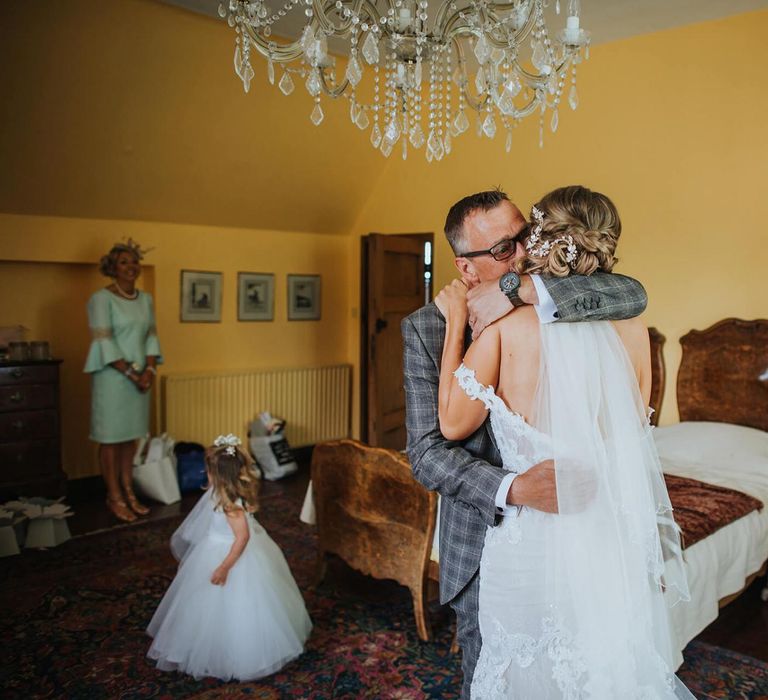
<point>315,402</point>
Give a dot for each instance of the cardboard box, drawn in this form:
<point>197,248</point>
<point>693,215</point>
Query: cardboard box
<point>46,532</point>
<point>8,543</point>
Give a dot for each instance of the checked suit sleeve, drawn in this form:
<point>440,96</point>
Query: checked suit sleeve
<point>599,297</point>
<point>439,464</point>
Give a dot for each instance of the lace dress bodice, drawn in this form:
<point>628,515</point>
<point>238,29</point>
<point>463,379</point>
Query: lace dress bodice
<point>520,444</point>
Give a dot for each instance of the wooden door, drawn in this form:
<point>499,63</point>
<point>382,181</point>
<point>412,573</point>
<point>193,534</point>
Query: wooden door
<point>393,287</point>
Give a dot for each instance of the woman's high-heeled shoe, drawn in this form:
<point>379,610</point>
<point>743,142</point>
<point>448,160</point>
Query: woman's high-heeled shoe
<point>121,510</point>
<point>133,502</point>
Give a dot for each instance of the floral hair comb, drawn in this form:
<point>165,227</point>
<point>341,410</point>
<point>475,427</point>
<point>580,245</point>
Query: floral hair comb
<point>540,250</point>
<point>231,442</point>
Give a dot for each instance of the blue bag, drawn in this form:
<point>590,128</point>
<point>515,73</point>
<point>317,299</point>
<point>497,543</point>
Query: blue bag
<point>190,466</point>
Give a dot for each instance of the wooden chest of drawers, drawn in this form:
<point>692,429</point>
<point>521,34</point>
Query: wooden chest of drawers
<point>30,449</point>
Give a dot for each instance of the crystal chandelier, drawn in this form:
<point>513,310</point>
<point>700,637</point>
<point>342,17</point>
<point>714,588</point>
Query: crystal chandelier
<point>429,67</point>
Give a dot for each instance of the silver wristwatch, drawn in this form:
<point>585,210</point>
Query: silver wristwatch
<point>510,286</point>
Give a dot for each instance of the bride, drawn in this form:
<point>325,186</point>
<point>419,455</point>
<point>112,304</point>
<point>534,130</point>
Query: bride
<point>574,604</point>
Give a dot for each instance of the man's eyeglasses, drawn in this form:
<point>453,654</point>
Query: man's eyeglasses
<point>502,250</point>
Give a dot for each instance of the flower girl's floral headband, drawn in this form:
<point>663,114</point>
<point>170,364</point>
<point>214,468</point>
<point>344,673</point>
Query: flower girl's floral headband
<point>538,249</point>
<point>232,442</point>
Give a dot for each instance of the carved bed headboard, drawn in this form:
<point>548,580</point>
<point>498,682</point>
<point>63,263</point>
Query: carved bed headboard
<point>658,373</point>
<point>723,374</point>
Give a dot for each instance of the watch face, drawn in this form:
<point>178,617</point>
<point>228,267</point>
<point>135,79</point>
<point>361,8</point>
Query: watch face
<point>509,282</point>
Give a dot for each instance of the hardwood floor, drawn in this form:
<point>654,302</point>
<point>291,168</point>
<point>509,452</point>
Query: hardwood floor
<point>742,625</point>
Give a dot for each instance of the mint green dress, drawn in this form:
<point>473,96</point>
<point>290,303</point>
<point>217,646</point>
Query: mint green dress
<point>121,329</point>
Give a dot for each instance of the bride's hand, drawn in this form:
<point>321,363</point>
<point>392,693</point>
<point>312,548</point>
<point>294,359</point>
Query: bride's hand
<point>452,302</point>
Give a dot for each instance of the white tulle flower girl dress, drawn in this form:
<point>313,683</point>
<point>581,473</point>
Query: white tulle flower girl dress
<point>245,629</point>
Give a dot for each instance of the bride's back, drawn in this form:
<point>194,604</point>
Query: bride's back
<point>520,343</point>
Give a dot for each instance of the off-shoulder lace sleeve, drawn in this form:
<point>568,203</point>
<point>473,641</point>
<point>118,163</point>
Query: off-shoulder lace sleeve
<point>472,388</point>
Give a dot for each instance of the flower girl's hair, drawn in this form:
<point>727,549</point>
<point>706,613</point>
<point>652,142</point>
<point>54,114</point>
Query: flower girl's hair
<point>233,478</point>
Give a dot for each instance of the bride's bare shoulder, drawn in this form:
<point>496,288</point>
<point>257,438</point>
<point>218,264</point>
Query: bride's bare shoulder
<point>633,333</point>
<point>522,322</point>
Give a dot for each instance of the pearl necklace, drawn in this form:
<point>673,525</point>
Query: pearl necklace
<point>124,294</point>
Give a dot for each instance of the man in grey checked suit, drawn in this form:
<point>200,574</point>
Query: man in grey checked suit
<point>485,232</point>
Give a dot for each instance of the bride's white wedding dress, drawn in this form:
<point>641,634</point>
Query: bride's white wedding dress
<point>572,605</point>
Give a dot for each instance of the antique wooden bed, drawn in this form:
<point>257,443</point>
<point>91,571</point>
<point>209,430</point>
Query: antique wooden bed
<point>375,516</point>
<point>722,439</point>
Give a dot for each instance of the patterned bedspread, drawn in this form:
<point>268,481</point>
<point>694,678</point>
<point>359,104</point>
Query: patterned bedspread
<point>701,509</point>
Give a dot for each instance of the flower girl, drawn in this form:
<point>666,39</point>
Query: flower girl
<point>234,610</point>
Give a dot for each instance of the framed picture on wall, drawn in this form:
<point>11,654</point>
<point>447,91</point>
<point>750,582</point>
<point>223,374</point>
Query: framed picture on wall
<point>255,296</point>
<point>303,297</point>
<point>200,296</point>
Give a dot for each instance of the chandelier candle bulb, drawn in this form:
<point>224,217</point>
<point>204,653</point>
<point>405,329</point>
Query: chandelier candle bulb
<point>404,19</point>
<point>572,29</point>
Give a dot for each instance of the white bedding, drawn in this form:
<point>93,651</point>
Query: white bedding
<point>717,566</point>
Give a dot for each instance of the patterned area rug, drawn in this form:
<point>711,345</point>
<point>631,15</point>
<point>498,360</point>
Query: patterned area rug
<point>74,617</point>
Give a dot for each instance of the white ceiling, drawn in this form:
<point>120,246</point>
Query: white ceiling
<point>608,20</point>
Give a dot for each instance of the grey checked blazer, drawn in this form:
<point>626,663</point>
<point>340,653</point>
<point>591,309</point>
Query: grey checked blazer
<point>468,474</point>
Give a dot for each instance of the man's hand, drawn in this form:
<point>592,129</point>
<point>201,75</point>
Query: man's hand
<point>486,302</point>
<point>536,488</point>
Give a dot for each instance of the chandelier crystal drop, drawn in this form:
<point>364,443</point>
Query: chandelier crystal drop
<point>415,67</point>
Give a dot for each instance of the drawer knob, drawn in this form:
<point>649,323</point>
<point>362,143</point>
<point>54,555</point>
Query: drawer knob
<point>18,397</point>
<point>17,373</point>
<point>18,424</point>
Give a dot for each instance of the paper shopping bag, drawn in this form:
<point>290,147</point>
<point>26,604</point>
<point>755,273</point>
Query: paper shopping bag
<point>155,474</point>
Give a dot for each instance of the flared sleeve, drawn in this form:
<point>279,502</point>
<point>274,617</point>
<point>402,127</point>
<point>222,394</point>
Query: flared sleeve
<point>152,344</point>
<point>104,350</point>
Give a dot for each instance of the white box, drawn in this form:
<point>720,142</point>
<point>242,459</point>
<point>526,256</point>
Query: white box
<point>8,543</point>
<point>46,532</point>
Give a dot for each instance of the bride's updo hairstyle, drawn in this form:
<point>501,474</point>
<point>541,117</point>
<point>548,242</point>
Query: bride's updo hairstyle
<point>232,477</point>
<point>573,231</point>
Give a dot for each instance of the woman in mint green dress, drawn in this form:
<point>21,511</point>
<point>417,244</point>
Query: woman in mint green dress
<point>122,363</point>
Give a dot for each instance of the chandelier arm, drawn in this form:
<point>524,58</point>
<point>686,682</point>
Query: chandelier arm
<point>534,79</point>
<point>528,109</point>
<point>333,92</point>
<point>518,37</point>
<point>325,23</point>
<point>281,54</point>
<point>328,26</point>
<point>292,51</point>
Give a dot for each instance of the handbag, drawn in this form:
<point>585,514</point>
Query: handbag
<point>190,466</point>
<point>154,473</point>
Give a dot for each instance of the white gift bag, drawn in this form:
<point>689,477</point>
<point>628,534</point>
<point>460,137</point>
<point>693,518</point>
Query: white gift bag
<point>274,455</point>
<point>154,473</point>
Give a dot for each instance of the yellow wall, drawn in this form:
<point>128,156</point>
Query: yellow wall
<point>186,346</point>
<point>672,127</point>
<point>130,109</point>
<point>131,115</point>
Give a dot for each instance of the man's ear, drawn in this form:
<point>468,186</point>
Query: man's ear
<point>467,271</point>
